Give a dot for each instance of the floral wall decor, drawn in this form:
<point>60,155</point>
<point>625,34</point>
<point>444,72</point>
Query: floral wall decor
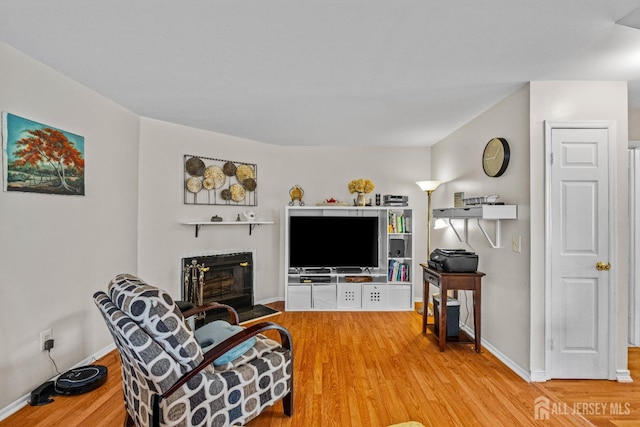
<point>40,158</point>
<point>209,181</point>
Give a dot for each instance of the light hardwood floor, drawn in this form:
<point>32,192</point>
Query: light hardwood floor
<point>377,369</point>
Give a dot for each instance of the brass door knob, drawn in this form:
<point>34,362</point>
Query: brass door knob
<point>601,266</point>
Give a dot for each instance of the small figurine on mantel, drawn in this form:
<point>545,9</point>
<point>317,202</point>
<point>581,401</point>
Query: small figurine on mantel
<point>296,192</point>
<point>216,218</point>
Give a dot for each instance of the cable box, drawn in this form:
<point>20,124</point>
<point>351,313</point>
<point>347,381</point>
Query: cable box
<point>319,270</point>
<point>349,270</point>
<point>315,279</point>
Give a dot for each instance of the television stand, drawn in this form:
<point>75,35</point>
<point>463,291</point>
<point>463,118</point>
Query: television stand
<point>348,270</point>
<point>345,284</point>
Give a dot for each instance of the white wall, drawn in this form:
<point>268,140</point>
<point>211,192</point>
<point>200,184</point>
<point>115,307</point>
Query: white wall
<point>322,173</point>
<point>514,285</point>
<point>325,172</point>
<point>565,101</point>
<point>457,161</point>
<point>56,251</point>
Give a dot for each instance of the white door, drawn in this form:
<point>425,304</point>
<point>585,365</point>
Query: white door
<point>579,231</point>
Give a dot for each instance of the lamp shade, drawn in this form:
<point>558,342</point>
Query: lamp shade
<point>428,185</point>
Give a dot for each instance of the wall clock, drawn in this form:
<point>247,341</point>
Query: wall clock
<point>495,157</point>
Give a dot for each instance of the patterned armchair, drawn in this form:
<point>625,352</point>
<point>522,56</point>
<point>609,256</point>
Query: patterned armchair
<point>169,381</point>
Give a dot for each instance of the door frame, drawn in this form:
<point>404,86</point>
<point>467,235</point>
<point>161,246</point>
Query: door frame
<point>634,244</point>
<point>610,126</point>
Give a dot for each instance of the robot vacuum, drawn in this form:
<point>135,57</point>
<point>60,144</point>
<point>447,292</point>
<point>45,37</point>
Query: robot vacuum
<point>75,381</point>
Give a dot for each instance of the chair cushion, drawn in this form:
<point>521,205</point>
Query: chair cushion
<point>215,332</point>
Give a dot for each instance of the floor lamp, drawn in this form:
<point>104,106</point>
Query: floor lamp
<point>428,187</point>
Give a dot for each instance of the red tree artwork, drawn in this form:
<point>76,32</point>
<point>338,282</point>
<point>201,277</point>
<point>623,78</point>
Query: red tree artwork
<point>49,150</point>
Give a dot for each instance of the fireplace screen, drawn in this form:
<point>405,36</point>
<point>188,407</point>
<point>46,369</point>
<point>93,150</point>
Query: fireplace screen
<point>223,278</point>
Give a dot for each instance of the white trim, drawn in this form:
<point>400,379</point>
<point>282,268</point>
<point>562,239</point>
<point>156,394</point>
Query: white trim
<point>610,126</point>
<point>634,246</point>
<point>270,300</point>
<point>519,370</point>
<point>538,376</point>
<point>24,400</point>
<point>623,376</point>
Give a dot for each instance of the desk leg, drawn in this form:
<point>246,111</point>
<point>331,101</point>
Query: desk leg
<point>476,314</point>
<point>425,306</point>
<point>442,327</point>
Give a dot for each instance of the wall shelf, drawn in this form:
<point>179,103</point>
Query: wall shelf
<point>482,212</point>
<point>251,224</point>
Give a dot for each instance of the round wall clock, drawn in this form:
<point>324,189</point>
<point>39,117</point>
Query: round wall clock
<point>495,157</point>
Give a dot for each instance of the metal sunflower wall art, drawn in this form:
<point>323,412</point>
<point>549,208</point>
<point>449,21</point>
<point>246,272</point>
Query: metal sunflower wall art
<point>209,181</point>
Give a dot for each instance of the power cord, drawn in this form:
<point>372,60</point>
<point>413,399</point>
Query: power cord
<point>53,361</point>
<point>466,305</point>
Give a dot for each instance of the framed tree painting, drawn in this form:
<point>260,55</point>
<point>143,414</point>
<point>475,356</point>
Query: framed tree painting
<point>40,158</point>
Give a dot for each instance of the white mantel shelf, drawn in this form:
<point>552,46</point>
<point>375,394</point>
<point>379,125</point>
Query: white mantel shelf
<point>481,212</point>
<point>251,224</point>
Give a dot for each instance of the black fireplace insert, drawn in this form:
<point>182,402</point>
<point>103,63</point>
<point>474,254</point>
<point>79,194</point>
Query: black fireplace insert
<point>224,278</point>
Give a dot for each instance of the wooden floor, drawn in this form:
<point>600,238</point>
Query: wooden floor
<point>377,369</point>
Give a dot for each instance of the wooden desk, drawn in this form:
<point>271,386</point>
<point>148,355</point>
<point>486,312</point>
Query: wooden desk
<point>451,282</point>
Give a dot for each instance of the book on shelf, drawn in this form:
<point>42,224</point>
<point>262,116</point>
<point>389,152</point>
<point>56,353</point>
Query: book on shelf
<point>399,223</point>
<point>398,271</point>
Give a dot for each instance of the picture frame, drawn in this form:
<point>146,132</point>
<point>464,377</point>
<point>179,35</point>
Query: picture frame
<point>39,158</point>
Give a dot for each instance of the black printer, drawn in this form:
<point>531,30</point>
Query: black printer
<point>453,261</point>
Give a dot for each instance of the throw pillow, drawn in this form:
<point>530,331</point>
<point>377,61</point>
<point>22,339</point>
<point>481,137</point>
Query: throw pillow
<point>215,332</point>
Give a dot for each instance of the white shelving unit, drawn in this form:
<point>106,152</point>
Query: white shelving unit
<point>199,224</point>
<point>332,291</point>
<point>482,212</point>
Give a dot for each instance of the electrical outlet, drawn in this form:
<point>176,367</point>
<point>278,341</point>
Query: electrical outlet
<point>44,336</point>
<point>516,244</point>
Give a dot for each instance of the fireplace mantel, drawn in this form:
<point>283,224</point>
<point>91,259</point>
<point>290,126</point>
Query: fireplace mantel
<point>251,224</point>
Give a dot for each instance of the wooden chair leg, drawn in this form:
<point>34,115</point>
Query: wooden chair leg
<point>287,403</point>
<point>128,421</point>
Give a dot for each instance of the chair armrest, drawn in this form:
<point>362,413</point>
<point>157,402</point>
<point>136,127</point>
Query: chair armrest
<point>213,306</point>
<point>228,344</point>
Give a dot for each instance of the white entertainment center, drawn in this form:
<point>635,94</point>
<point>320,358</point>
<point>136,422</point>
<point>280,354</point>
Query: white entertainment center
<point>386,287</point>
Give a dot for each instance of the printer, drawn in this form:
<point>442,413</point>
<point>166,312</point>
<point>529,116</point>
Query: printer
<point>453,261</point>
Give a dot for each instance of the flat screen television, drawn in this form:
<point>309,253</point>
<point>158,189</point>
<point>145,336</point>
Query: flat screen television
<point>333,241</point>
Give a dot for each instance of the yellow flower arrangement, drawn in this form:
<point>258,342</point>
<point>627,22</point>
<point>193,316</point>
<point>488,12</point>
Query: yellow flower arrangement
<point>361,186</point>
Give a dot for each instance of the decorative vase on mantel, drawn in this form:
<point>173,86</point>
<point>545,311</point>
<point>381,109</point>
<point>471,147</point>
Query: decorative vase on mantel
<point>361,200</point>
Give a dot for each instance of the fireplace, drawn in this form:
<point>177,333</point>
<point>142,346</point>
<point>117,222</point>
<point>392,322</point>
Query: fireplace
<point>226,278</point>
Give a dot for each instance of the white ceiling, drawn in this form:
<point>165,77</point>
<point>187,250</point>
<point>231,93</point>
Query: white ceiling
<point>324,72</point>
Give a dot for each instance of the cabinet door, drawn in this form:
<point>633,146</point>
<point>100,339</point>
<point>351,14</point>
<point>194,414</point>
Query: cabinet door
<point>374,297</point>
<point>399,297</point>
<point>298,297</point>
<point>349,295</point>
<point>324,297</point>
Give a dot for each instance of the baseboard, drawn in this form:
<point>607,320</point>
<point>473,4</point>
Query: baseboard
<point>24,400</point>
<point>269,300</point>
<point>623,376</point>
<point>538,376</point>
<point>519,370</point>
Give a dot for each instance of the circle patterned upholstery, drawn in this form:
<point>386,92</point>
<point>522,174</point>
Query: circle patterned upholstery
<point>157,348</point>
